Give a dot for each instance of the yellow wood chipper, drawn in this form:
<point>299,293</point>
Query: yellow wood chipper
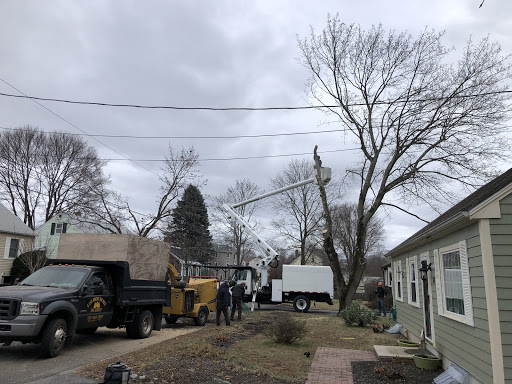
<point>195,298</point>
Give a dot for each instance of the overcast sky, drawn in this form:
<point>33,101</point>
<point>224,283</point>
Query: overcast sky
<point>207,54</point>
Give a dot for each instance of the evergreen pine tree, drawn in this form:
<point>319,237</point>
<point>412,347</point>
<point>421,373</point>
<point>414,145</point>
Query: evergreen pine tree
<point>189,228</point>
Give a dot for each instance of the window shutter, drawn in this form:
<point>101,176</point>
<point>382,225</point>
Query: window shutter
<point>466,284</point>
<point>439,293</point>
<point>409,294</point>
<point>418,280</point>
<point>64,226</point>
<point>7,247</point>
<point>52,231</point>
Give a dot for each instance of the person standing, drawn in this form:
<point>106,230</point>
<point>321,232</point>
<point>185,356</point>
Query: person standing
<point>381,292</point>
<point>237,293</point>
<point>223,299</point>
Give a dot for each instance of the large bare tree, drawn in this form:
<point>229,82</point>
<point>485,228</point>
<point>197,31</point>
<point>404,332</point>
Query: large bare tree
<point>298,211</point>
<point>425,117</point>
<point>115,214</point>
<point>230,231</point>
<point>45,173</point>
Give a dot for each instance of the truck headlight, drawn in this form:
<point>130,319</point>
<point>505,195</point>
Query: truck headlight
<point>29,308</point>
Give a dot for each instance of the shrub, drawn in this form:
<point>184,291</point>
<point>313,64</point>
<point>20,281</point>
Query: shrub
<point>287,329</point>
<point>19,269</point>
<point>358,314</point>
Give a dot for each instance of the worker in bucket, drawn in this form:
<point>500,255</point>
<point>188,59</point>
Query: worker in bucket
<point>237,294</point>
<point>381,292</point>
<point>223,301</point>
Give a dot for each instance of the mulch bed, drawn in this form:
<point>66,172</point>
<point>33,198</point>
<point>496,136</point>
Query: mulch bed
<point>378,372</point>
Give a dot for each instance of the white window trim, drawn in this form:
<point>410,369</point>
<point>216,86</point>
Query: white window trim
<point>409,262</point>
<point>397,270</point>
<point>8,247</point>
<point>467,318</point>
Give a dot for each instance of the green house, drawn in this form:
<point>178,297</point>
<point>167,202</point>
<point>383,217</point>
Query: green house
<point>48,234</point>
<point>452,281</point>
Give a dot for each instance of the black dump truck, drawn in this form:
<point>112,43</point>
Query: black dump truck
<point>76,297</point>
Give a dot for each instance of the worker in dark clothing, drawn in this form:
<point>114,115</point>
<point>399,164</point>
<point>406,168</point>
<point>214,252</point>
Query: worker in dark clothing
<point>223,299</point>
<point>237,294</point>
<point>381,292</point>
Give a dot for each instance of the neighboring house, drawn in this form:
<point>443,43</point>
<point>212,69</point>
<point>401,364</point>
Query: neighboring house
<point>48,234</point>
<point>387,275</point>
<point>316,257</point>
<point>191,268</point>
<point>224,255</point>
<point>464,303</point>
<point>15,239</point>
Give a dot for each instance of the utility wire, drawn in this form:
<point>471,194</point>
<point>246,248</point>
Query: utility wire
<point>384,102</point>
<point>241,158</point>
<point>192,137</point>
<point>73,125</point>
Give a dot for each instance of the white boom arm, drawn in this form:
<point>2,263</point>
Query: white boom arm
<point>269,254</point>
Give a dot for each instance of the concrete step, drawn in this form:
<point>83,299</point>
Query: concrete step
<point>390,352</point>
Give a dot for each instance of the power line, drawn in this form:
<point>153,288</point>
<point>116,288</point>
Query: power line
<point>172,107</point>
<point>241,158</point>
<point>73,125</point>
<point>193,137</point>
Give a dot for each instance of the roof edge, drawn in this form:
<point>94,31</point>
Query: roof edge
<point>454,222</point>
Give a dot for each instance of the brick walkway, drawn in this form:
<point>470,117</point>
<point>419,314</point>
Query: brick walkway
<point>333,366</point>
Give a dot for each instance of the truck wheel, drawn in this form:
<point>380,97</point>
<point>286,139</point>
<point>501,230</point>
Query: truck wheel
<point>54,338</point>
<point>86,331</point>
<point>143,325</point>
<point>170,319</point>
<point>301,304</point>
<point>202,316</point>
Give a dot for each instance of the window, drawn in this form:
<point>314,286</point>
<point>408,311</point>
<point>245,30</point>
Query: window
<point>58,228</point>
<point>13,248</point>
<point>412,281</point>
<point>453,288</point>
<point>452,277</point>
<point>398,280</point>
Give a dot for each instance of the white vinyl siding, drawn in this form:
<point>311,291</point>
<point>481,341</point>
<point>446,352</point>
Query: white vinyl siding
<point>452,283</point>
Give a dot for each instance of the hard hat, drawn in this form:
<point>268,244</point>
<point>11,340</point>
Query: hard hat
<point>380,283</point>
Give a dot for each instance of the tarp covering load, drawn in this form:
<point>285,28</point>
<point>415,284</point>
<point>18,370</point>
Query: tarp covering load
<point>147,258</point>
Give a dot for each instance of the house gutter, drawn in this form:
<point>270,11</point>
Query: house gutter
<point>456,221</point>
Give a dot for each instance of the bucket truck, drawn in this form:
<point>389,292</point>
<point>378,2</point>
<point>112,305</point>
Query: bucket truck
<point>300,284</point>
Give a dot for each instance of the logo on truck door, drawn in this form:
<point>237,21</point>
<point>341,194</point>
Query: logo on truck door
<point>96,304</point>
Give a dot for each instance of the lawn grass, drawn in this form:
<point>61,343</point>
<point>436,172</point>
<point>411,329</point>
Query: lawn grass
<point>288,362</point>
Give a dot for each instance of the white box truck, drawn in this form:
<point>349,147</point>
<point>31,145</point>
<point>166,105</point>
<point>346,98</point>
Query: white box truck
<point>301,284</point>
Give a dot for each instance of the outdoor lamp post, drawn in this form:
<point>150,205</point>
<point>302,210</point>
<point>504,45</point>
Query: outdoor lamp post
<point>424,269</point>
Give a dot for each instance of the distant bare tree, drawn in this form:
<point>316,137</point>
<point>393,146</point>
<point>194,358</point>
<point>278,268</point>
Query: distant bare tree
<point>420,122</point>
<point>230,231</point>
<point>344,233</point>
<point>114,213</point>
<point>298,211</point>
<point>45,173</point>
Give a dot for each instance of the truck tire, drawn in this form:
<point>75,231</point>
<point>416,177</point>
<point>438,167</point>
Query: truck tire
<point>301,303</point>
<point>142,325</point>
<point>202,316</point>
<point>170,319</point>
<point>54,338</point>
<point>86,331</point>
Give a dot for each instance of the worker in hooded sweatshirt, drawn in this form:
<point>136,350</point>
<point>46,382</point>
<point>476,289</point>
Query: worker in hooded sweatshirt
<point>238,293</point>
<point>381,292</point>
<point>223,300</point>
